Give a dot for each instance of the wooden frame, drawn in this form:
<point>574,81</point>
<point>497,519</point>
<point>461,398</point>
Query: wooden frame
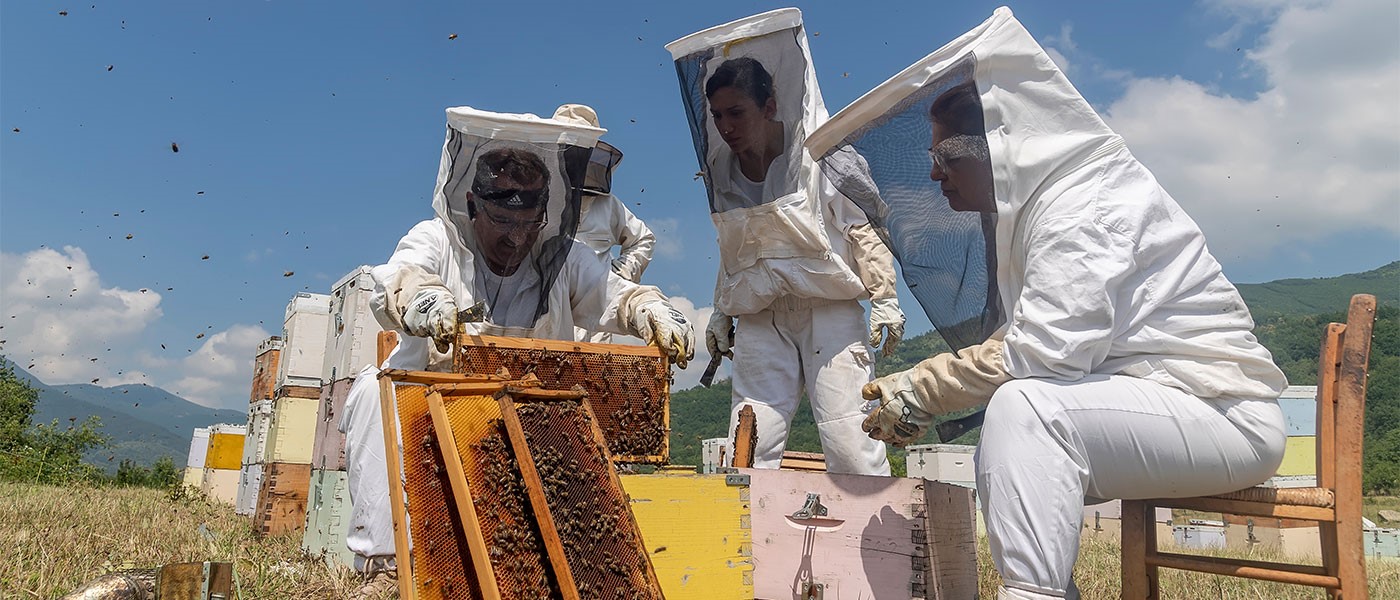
<point>1335,503</point>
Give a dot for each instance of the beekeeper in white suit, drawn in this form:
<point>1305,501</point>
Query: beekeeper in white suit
<point>1125,367</point>
<point>605,221</point>
<point>506,206</point>
<point>797,258</point>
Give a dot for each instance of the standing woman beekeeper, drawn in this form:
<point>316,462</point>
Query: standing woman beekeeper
<point>1123,366</point>
<point>796,257</point>
<point>506,208</point>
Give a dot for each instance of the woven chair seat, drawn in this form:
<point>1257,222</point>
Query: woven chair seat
<point>1313,496</point>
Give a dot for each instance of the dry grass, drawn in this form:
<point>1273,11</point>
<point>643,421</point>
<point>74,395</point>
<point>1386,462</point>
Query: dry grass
<point>59,538</point>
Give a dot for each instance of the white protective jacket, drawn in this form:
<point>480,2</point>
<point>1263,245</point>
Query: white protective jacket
<point>585,292</point>
<point>1099,269</point>
<point>606,222</point>
<point>802,239</point>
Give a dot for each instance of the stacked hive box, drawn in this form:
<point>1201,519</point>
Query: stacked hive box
<point>221,462</point>
<point>350,347</point>
<point>328,503</point>
<point>194,464</point>
<point>285,459</point>
<point>259,414</point>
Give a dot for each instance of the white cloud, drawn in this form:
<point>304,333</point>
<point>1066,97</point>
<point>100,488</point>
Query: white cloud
<point>219,373</point>
<point>668,237</point>
<point>1316,153</point>
<point>59,317</point>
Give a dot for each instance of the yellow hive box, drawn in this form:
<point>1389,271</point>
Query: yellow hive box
<point>225,450</point>
<point>291,434</point>
<point>696,531</point>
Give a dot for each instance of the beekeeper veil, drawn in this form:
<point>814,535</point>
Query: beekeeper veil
<point>949,157</point>
<point>508,192</point>
<point>751,98</point>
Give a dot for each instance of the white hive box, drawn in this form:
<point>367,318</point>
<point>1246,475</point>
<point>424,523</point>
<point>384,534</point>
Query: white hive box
<point>249,483</point>
<point>352,329</point>
<point>304,340</point>
<point>221,485</point>
<point>714,453</point>
<point>199,447</point>
<point>949,463</point>
<point>291,432</point>
<point>255,442</point>
<point>328,518</point>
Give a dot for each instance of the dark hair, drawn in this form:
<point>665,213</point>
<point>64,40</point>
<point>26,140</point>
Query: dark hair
<point>743,73</point>
<point>522,166</point>
<point>959,109</point>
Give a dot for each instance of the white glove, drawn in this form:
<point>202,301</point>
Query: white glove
<point>661,324</point>
<point>432,313</point>
<point>900,418</point>
<point>719,334</point>
<point>885,316</point>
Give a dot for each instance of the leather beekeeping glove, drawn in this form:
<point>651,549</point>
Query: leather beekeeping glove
<point>886,324</point>
<point>719,334</point>
<point>661,324</point>
<point>432,313</point>
<point>910,399</point>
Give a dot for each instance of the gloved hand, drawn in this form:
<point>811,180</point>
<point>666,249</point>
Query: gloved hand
<point>900,418</point>
<point>719,334</point>
<point>432,313</point>
<point>663,325</point>
<point>885,316</point>
<point>942,384</point>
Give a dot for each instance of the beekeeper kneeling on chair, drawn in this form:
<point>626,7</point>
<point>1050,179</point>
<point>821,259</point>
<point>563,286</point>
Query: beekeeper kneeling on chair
<point>502,243</point>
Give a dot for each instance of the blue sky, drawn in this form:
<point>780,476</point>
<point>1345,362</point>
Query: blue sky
<point>309,135</point>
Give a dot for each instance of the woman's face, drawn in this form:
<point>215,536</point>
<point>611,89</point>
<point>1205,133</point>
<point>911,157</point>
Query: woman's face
<point>966,179</point>
<point>739,119</point>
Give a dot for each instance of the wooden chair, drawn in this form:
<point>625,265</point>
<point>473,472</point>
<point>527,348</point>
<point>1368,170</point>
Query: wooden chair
<point>1335,504</point>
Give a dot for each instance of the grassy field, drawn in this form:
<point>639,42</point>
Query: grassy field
<point>59,538</point>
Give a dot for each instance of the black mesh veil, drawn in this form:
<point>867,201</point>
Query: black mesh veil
<point>562,164</point>
<point>947,258</point>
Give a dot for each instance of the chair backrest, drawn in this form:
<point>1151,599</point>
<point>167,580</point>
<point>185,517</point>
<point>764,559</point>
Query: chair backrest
<point>1341,397</point>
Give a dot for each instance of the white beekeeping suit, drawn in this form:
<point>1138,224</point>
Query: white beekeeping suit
<point>796,257</point>
<point>604,220</point>
<point>506,206</point>
<point>1123,364</point>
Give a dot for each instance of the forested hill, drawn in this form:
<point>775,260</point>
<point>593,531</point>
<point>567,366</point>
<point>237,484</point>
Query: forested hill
<point>1289,314</point>
<point>1328,294</point>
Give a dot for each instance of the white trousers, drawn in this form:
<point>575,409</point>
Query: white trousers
<point>816,346</point>
<point>1048,444</point>
<point>367,474</point>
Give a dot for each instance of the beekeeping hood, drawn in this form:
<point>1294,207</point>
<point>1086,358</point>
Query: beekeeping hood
<point>1041,139</point>
<point>779,217</point>
<point>563,148</point>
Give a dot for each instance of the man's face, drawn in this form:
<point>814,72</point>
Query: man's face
<point>965,177</point>
<point>505,236</point>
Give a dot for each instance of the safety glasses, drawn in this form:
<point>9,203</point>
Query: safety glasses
<point>957,148</point>
<point>508,224</point>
